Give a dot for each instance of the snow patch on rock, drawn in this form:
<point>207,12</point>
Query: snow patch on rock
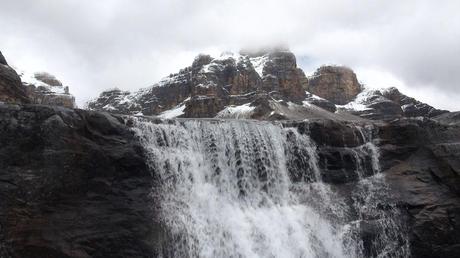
<point>360,102</point>
<point>29,78</point>
<point>173,113</point>
<point>259,63</point>
<point>239,112</point>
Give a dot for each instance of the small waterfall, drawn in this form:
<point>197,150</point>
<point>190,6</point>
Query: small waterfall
<point>374,205</point>
<point>234,189</point>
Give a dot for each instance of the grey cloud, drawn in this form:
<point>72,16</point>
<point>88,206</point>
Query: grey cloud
<point>95,45</point>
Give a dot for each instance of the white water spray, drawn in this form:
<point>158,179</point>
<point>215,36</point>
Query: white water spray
<point>226,191</point>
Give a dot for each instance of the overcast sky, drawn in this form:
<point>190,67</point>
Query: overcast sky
<point>94,45</point>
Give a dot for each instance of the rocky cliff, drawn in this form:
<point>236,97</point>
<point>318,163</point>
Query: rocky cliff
<point>210,85</point>
<point>75,183</point>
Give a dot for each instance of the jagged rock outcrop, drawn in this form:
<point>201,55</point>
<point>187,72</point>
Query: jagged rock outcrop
<point>211,84</point>
<point>228,86</point>
<point>11,89</point>
<point>410,106</point>
<point>387,104</point>
<point>281,74</point>
<point>337,84</point>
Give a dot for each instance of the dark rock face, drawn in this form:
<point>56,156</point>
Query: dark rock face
<point>11,89</point>
<point>410,106</point>
<point>337,84</point>
<point>421,161</point>
<point>73,184</point>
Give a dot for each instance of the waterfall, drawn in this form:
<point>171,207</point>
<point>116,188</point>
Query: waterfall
<point>373,202</point>
<point>231,189</point>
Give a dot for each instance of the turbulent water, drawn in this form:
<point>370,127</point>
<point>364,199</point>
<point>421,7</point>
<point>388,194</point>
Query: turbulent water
<point>234,189</point>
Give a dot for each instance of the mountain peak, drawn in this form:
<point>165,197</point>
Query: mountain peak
<point>263,83</point>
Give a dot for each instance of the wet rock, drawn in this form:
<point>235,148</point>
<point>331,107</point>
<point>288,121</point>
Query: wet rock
<point>422,169</point>
<point>73,184</point>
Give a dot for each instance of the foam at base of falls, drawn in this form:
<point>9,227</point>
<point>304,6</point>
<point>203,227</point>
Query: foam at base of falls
<point>226,191</point>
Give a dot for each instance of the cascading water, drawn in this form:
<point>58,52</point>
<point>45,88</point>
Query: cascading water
<point>227,190</point>
<point>374,205</point>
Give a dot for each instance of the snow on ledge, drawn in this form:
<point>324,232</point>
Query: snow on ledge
<point>173,113</point>
<point>239,112</point>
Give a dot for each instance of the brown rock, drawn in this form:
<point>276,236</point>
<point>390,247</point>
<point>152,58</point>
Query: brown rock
<point>281,74</point>
<point>337,84</point>
<point>201,106</point>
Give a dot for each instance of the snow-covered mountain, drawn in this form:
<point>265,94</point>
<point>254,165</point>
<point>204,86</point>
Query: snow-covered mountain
<point>261,85</point>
